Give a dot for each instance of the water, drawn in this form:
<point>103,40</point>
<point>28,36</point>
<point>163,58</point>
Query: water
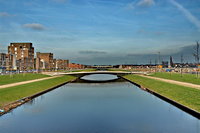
<point>117,107</point>
<point>99,77</point>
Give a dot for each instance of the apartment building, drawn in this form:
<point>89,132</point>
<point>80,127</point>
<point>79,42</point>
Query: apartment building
<point>44,61</point>
<point>24,55</point>
<point>62,64</point>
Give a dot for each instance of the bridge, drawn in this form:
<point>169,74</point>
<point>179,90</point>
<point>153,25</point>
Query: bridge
<point>84,73</point>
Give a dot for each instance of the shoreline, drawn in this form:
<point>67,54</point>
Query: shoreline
<point>9,107</point>
<point>166,99</point>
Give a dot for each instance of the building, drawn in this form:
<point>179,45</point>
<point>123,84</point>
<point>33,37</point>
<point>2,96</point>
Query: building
<point>2,59</point>
<point>7,61</point>
<point>62,64</point>
<point>171,63</point>
<point>45,60</point>
<point>23,53</point>
<point>76,66</point>
<point>2,62</point>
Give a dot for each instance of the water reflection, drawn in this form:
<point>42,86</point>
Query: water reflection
<point>99,77</point>
<point>117,107</point>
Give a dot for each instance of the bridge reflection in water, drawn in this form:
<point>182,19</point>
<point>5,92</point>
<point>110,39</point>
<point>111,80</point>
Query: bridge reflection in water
<point>99,78</point>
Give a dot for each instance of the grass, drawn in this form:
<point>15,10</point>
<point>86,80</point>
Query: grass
<point>8,79</point>
<point>189,97</point>
<point>189,78</point>
<point>11,94</point>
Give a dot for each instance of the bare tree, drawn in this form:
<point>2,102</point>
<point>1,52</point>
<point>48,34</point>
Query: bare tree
<point>196,55</point>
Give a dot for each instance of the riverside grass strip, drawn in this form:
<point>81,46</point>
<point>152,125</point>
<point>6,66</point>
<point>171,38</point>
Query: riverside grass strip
<point>189,97</point>
<point>189,78</point>
<point>9,79</point>
<point>11,94</point>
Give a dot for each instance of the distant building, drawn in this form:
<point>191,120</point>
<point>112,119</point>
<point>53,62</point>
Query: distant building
<point>7,61</point>
<point>76,66</point>
<point>171,63</point>
<point>45,61</point>
<point>2,62</point>
<point>165,64</point>
<point>11,62</point>
<point>62,64</point>
<point>2,59</point>
<point>23,53</point>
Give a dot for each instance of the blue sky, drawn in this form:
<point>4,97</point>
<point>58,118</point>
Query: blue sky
<point>102,31</point>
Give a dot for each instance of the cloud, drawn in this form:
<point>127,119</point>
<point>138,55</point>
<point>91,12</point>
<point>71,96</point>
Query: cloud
<point>141,3</point>
<point>92,52</point>
<point>188,15</point>
<point>5,14</point>
<point>34,26</point>
<point>60,1</point>
<point>146,3</point>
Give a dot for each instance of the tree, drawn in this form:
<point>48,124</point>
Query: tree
<point>196,55</point>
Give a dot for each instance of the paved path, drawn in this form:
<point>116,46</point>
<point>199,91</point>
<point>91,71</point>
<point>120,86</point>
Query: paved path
<point>25,82</point>
<point>175,82</point>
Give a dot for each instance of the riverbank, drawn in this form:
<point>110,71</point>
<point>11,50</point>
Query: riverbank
<point>13,97</point>
<point>185,77</point>
<point>16,78</point>
<point>187,99</point>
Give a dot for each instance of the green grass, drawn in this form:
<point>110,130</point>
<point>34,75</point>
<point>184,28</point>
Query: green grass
<point>190,78</point>
<point>8,79</point>
<point>189,97</point>
<point>11,94</point>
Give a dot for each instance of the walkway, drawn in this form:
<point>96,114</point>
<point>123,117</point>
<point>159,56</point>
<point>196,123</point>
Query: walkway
<point>175,82</point>
<point>24,82</point>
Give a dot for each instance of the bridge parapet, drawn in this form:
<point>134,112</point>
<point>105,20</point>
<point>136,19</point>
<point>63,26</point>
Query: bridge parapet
<point>81,74</point>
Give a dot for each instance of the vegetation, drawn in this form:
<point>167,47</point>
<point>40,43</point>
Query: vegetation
<point>189,97</point>
<point>190,78</point>
<point>11,94</point>
<point>8,79</point>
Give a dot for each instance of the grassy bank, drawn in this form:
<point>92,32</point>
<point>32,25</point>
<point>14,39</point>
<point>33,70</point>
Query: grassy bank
<point>8,95</point>
<point>187,96</point>
<point>8,79</point>
<point>189,78</point>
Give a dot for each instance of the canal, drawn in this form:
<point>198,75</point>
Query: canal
<point>114,107</point>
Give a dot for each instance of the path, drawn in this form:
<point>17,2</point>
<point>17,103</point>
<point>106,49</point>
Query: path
<point>25,82</point>
<point>174,82</point>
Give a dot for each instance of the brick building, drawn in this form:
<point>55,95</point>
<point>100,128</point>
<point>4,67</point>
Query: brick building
<point>24,55</point>
<point>76,66</point>
<point>45,61</point>
<point>2,59</point>
<point>62,64</point>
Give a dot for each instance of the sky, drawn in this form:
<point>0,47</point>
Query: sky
<point>103,31</point>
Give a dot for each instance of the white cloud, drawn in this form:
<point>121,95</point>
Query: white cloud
<point>34,26</point>
<point>5,14</point>
<point>188,15</point>
<point>140,3</point>
<point>146,3</point>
